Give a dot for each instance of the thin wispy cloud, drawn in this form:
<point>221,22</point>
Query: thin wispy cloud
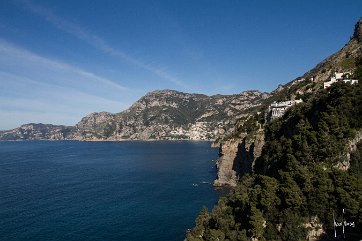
<point>96,41</point>
<point>57,92</point>
<point>25,55</point>
<point>16,118</point>
<point>32,86</point>
<point>24,100</point>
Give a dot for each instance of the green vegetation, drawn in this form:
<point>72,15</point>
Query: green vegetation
<point>302,177</point>
<point>347,63</point>
<point>250,125</point>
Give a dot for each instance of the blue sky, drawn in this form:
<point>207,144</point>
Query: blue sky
<point>61,60</point>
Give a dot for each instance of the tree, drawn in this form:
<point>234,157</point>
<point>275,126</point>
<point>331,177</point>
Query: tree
<point>257,223</point>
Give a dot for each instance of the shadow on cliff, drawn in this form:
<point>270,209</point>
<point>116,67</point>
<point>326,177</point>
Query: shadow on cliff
<point>244,160</point>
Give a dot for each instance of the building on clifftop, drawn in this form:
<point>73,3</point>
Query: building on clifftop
<point>344,76</point>
<point>277,109</point>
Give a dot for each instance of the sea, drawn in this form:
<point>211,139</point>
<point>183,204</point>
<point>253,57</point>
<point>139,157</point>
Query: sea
<point>72,190</point>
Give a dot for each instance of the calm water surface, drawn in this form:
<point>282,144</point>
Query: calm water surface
<point>103,190</point>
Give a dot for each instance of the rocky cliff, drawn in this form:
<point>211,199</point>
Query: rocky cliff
<point>237,157</point>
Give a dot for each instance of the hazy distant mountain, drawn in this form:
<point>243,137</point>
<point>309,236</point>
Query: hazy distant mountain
<point>34,131</point>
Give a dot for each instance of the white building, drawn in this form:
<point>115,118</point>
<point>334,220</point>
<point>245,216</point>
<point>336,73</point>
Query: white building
<point>344,76</point>
<point>277,109</point>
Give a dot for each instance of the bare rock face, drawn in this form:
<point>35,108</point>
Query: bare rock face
<point>358,31</point>
<point>226,173</point>
<point>237,158</point>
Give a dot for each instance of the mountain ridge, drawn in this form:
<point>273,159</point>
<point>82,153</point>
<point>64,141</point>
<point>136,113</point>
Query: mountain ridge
<point>160,114</point>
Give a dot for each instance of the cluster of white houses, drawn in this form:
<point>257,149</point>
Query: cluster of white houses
<point>344,76</point>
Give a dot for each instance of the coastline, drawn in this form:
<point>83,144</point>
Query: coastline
<point>120,140</point>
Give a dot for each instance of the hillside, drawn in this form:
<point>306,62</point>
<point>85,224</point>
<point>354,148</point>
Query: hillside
<point>296,177</point>
<point>309,170</point>
<point>239,150</point>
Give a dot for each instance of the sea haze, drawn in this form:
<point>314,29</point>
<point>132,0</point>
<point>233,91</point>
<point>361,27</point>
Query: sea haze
<point>69,190</point>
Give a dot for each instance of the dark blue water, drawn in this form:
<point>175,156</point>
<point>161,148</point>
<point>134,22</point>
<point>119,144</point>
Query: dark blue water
<point>103,190</point>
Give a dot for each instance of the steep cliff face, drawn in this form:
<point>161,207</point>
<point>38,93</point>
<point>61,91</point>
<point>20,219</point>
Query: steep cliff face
<point>227,174</point>
<point>237,157</point>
